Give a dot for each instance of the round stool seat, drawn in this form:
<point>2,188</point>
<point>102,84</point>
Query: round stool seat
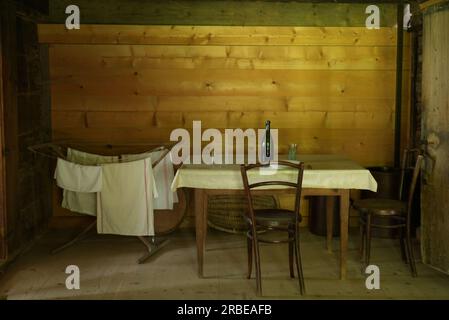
<point>382,207</point>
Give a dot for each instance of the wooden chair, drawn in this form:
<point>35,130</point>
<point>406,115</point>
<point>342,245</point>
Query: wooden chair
<point>395,213</point>
<point>261,221</point>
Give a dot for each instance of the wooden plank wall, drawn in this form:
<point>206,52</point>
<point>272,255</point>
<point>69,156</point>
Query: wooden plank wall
<point>224,12</point>
<point>328,89</point>
<point>9,131</point>
<point>7,100</point>
<point>435,191</point>
<point>25,120</point>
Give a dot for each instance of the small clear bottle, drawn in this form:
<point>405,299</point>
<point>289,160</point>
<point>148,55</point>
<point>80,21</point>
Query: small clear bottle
<point>292,150</point>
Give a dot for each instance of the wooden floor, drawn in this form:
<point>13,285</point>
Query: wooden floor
<point>109,271</point>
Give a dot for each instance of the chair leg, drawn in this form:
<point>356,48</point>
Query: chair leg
<point>362,238</point>
<point>249,245</point>
<point>302,287</point>
<point>408,244</point>
<point>362,245</point>
<point>368,240</point>
<point>258,271</point>
<point>404,254</point>
<point>290,255</point>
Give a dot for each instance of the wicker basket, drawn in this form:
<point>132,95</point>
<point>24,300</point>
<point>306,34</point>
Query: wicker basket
<point>225,212</point>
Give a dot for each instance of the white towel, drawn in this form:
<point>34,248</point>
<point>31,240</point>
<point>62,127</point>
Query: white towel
<point>125,204</point>
<point>79,202</point>
<point>163,175</point>
<point>85,203</point>
<point>78,178</point>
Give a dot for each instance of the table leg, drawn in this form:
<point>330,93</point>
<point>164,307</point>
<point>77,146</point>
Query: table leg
<point>200,227</point>
<point>329,222</point>
<point>344,229</point>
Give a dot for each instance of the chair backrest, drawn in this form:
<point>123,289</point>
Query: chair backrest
<point>407,165</point>
<point>249,187</point>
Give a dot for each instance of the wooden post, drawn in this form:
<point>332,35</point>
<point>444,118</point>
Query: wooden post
<point>9,123</point>
<point>399,63</point>
<point>3,253</point>
<point>435,133</point>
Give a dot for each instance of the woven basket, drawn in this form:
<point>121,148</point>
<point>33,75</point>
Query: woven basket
<point>225,212</point>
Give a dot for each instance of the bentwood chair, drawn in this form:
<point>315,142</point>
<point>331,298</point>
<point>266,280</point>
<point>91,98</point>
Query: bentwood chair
<point>262,222</point>
<point>391,213</point>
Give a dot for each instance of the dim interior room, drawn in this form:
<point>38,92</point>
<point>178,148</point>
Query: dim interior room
<point>339,79</point>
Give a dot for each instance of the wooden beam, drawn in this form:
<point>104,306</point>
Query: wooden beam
<point>36,6</point>
<point>32,10</point>
<point>3,252</point>
<point>399,70</point>
<point>430,3</point>
<point>9,125</point>
<point>217,35</point>
<point>221,12</point>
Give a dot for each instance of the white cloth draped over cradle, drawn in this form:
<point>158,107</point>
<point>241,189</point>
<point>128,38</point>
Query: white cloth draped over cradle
<point>125,203</point>
<point>163,175</point>
<point>83,202</point>
<point>78,178</point>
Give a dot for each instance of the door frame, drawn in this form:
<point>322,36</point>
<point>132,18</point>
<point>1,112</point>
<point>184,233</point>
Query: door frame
<point>3,212</point>
<point>434,213</point>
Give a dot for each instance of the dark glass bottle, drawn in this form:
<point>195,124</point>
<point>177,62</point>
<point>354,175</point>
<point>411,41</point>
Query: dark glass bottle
<point>266,151</point>
<point>267,139</point>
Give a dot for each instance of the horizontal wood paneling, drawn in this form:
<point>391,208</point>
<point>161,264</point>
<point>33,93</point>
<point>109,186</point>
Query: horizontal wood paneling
<point>69,102</point>
<point>357,144</point>
<point>256,103</point>
<point>73,54</point>
<point>224,36</point>
<point>117,60</point>
<point>223,12</point>
<point>330,90</point>
<point>219,82</point>
<point>223,119</point>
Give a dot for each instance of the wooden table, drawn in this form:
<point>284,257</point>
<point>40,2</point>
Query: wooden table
<point>224,179</point>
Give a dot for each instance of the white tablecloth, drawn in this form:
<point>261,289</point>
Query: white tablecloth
<point>320,171</point>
